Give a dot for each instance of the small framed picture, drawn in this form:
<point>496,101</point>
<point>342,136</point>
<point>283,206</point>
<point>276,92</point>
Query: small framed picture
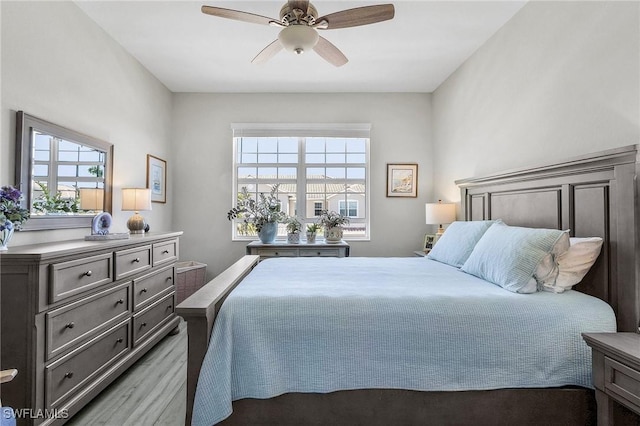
<point>157,178</point>
<point>429,241</point>
<point>402,180</point>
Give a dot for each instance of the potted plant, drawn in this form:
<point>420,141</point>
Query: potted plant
<point>294,226</point>
<point>261,215</point>
<point>332,223</point>
<point>312,231</point>
<point>12,214</point>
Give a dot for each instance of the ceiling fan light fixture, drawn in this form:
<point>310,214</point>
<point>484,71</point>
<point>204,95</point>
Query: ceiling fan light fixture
<point>298,38</point>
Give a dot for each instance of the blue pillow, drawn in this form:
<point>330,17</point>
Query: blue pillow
<point>508,255</point>
<point>458,241</point>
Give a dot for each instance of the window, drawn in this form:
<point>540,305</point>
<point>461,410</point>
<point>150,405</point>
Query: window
<point>317,167</point>
<point>348,208</point>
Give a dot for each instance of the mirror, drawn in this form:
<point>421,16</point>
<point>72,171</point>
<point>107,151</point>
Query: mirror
<point>65,176</point>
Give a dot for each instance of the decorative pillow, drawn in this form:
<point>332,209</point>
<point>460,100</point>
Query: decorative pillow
<point>547,270</point>
<point>458,241</point>
<point>574,263</point>
<point>508,255</point>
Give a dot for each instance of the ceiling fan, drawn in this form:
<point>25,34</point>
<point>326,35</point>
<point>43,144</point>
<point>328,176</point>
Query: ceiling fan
<point>299,22</point>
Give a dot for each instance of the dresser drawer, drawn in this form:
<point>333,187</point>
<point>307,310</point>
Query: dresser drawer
<point>69,325</point>
<point>165,252</point>
<point>277,252</point>
<point>75,370</point>
<point>152,317</point>
<point>132,261</point>
<point>333,252</point>
<point>76,276</point>
<point>149,286</point>
<point>623,382</point>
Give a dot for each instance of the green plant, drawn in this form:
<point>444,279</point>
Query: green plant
<point>56,203</point>
<point>12,214</point>
<point>313,227</point>
<point>294,226</point>
<point>331,219</point>
<point>256,213</point>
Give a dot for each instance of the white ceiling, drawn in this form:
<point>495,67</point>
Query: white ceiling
<point>192,52</point>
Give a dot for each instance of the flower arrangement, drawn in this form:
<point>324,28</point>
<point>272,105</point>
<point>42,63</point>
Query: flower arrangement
<point>256,213</point>
<point>331,219</point>
<point>47,203</point>
<point>12,215</point>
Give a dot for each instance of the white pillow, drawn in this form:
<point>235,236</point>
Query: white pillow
<point>574,264</point>
<point>547,270</point>
<point>456,244</point>
<point>508,255</point>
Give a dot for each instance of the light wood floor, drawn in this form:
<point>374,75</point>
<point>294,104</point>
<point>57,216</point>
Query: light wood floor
<point>151,392</point>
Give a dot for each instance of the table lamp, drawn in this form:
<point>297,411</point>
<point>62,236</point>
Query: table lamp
<point>440,213</point>
<point>136,200</point>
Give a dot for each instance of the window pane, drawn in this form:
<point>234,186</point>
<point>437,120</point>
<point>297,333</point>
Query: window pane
<point>248,145</point>
<point>247,172</point>
<point>356,158</point>
<point>315,158</point>
<point>288,145</point>
<point>41,156</point>
<point>67,170</point>
<point>267,158</point>
<point>249,158</point>
<point>356,145</point>
<point>336,145</point>
<point>335,158</point>
<point>315,145</point>
<point>267,173</point>
<point>67,156</point>
<point>42,141</point>
<point>90,155</point>
<point>287,158</point>
<point>287,172</point>
<point>336,172</point>
<point>315,173</point>
<point>356,173</point>
<point>40,170</point>
<point>67,146</point>
<point>267,144</point>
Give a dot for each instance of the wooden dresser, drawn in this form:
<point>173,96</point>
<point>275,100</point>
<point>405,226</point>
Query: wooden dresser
<point>76,314</point>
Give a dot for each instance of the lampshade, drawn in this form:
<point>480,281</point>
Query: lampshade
<point>440,213</point>
<point>91,198</point>
<point>136,199</point>
<point>298,38</point>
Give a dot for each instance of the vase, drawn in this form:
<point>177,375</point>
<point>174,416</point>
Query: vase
<point>333,235</point>
<point>5,236</point>
<point>268,232</point>
<point>293,238</point>
<point>311,237</point>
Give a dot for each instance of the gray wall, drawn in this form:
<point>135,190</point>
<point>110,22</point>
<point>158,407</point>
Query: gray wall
<point>560,79</point>
<point>400,132</point>
<point>58,65</point>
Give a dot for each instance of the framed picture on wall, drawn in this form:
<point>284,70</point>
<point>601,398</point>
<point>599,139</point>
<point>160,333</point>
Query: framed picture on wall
<point>157,178</point>
<point>402,180</point>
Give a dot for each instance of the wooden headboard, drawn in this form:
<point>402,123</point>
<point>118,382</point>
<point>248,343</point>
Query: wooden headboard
<point>591,195</point>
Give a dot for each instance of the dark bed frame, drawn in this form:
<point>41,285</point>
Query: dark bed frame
<point>592,195</point>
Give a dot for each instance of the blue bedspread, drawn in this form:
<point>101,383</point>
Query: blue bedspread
<point>328,324</point>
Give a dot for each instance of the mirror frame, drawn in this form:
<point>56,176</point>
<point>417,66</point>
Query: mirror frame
<point>25,123</point>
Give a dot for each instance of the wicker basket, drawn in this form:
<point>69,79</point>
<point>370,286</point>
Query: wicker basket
<point>190,277</point>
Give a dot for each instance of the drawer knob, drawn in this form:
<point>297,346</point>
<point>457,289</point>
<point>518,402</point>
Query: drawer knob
<point>119,340</point>
<point>136,260</point>
<point>88,273</point>
<point>144,324</point>
<point>318,253</point>
<point>165,252</point>
<point>69,325</point>
<point>169,278</point>
<point>169,306</point>
<point>277,254</point>
<point>144,290</point>
<point>68,374</point>
<point>120,302</point>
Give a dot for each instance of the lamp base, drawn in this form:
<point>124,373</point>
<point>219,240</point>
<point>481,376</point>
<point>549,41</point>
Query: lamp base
<point>136,224</point>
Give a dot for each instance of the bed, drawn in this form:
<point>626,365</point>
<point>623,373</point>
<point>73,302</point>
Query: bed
<point>592,195</point>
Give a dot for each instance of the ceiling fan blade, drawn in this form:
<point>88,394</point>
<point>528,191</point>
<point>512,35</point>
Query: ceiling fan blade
<point>303,5</point>
<point>237,15</point>
<point>330,53</point>
<point>356,17</point>
<point>267,53</point>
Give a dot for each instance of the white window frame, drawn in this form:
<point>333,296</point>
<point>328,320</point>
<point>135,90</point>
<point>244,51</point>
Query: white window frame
<point>345,130</point>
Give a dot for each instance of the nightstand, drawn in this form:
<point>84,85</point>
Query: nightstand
<point>616,376</point>
<point>283,249</point>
